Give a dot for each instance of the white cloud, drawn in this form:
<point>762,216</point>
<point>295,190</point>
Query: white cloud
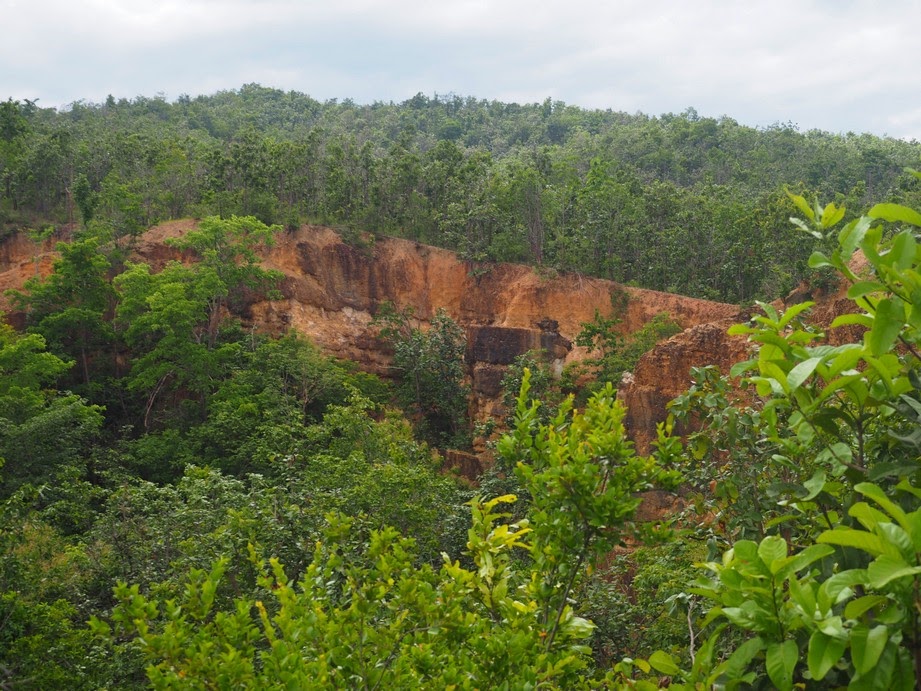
<point>830,65</point>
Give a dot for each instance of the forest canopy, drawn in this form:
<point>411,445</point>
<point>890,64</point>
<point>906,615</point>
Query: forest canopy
<point>185,502</point>
<point>674,202</point>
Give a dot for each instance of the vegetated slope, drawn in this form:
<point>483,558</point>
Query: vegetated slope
<point>331,292</point>
<point>662,374</point>
<point>679,202</point>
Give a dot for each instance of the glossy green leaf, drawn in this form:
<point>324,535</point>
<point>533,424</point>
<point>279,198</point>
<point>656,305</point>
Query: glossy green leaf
<point>780,661</point>
<point>772,549</point>
<point>794,311</point>
<point>785,568</point>
<point>802,371</point>
<point>817,260</point>
<point>848,537</point>
<point>895,213</point>
<point>861,288</point>
<point>887,568</point>
<point>903,251</point>
<point>852,235</point>
<point>814,485</point>
<point>887,324</point>
<point>831,215</point>
<point>739,660</point>
<point>802,205</point>
<point>664,663</point>
<point>867,646</point>
<point>824,652</point>
<point>857,608</point>
<point>874,492</point>
<point>868,516</point>
<point>771,371</point>
<point>852,319</point>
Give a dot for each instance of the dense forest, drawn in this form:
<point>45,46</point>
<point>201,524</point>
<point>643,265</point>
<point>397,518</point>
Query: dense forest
<point>677,202</point>
<point>188,503</point>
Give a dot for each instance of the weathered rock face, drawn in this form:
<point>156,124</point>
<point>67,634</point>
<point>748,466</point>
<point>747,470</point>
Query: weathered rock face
<point>332,291</point>
<point>20,260</point>
<point>664,373</point>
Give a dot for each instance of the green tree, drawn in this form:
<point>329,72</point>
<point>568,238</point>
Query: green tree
<point>431,368</point>
<point>42,431</point>
<point>174,319</point>
<point>844,607</point>
<point>72,309</point>
<point>366,614</point>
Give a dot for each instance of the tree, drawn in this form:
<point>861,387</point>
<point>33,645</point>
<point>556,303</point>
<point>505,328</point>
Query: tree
<point>431,367</point>
<point>173,319</point>
<point>837,600</point>
<point>72,309</point>
<point>365,614</point>
<point>42,431</point>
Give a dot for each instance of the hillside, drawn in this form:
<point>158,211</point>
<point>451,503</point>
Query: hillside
<point>331,292</point>
<point>407,437</point>
<point>677,203</point>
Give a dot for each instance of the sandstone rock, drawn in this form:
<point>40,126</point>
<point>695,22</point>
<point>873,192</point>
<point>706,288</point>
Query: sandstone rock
<point>467,465</point>
<point>332,290</point>
<point>664,373</point>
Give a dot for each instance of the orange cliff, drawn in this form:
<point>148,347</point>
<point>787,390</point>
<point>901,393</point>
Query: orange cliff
<point>332,290</point>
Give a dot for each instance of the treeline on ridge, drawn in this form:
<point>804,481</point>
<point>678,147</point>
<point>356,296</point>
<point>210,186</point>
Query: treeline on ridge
<point>682,203</point>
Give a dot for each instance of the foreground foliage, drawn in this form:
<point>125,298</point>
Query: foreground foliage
<point>364,614</point>
<point>832,597</point>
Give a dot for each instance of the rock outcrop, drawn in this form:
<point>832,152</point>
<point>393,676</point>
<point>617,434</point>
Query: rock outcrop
<point>332,291</point>
<point>664,373</point>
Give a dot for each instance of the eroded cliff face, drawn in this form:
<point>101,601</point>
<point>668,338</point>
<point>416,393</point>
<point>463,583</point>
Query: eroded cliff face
<point>332,291</point>
<point>664,372</point>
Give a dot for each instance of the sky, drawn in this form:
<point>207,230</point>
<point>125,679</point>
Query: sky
<point>834,65</point>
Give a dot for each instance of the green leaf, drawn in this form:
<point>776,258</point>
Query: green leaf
<point>848,537</point>
<point>861,288</point>
<point>898,537</point>
<point>802,371</point>
<point>803,596</point>
<point>772,549</point>
<point>824,652</point>
<point>772,372</point>
<point>874,492</point>
<point>814,485</point>
<point>800,561</point>
<point>887,568</point>
<point>664,663</point>
<point>740,368</point>
<point>902,254</point>
<point>857,608</point>
<point>802,205</point>
<point>831,214</point>
<point>781,662</point>
<point>895,213</point>
<point>817,260</point>
<point>849,319</point>
<point>867,645</point>
<point>794,311</point>
<point>887,324</point>
<point>742,656</point>
<point>852,235</point>
<point>868,516</point>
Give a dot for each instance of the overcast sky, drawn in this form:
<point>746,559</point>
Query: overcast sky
<point>836,65</point>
